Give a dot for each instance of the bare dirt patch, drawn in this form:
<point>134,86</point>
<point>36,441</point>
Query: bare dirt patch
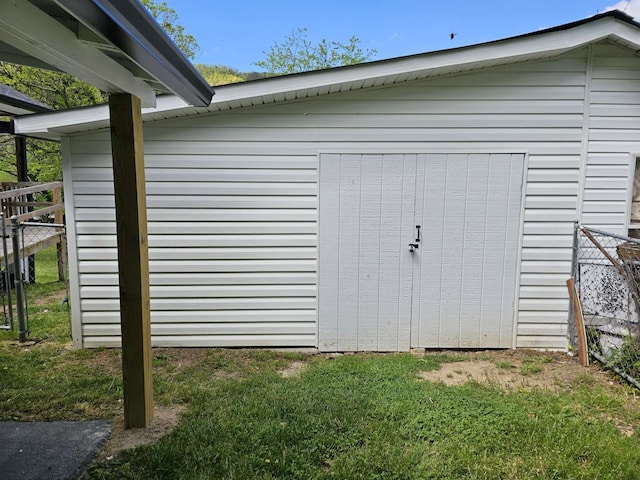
<point>293,370</point>
<point>181,357</point>
<point>56,297</point>
<point>164,421</point>
<point>511,370</point>
<point>108,361</point>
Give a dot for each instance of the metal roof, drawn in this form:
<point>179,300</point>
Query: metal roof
<point>115,45</point>
<point>13,102</point>
<point>612,26</point>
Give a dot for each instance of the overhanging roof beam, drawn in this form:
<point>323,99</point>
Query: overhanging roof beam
<point>30,30</point>
<point>132,29</point>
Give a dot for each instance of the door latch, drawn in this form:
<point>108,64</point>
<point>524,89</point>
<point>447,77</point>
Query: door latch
<point>415,246</point>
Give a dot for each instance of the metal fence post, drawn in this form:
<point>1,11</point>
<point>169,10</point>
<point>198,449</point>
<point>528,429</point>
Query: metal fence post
<point>571,331</point>
<point>15,228</point>
<point>7,270</point>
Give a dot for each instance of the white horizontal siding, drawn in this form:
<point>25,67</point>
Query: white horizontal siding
<point>205,188</point>
<point>232,249</point>
<point>199,215</point>
<point>101,158</point>
<point>362,133</point>
<point>183,279</point>
<point>256,328</point>
<point>205,201</point>
<point>208,291</point>
<point>206,316</point>
<point>177,305</point>
<point>614,132</point>
<point>542,329</point>
<point>232,197</point>
<point>490,142</point>
<point>348,120</point>
<point>549,342</point>
<point>198,175</point>
<point>207,228</point>
<point>256,340</point>
<point>540,278</point>
<point>160,256</point>
<point>548,265</point>
<point>214,241</point>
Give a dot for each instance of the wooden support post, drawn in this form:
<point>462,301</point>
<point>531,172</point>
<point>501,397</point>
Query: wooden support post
<point>21,159</point>
<point>22,175</point>
<point>62,245</point>
<point>133,257</point>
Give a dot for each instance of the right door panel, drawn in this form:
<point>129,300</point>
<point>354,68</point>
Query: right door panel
<point>464,279</point>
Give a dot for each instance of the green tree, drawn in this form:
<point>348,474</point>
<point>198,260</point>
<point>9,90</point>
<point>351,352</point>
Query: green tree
<point>62,91</point>
<point>298,54</point>
<point>59,91</point>
<point>219,74</point>
<point>167,17</point>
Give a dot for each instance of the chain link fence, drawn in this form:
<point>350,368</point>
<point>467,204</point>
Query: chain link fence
<point>606,269</point>
<point>32,221</point>
<point>20,243</point>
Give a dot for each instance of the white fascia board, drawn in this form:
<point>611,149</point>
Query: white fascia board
<point>30,30</point>
<point>53,125</point>
<point>13,110</point>
<point>45,125</point>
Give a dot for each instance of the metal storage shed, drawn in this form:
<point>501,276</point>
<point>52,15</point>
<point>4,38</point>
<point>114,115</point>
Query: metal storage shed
<point>283,213</point>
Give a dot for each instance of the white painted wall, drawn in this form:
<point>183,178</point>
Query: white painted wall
<point>233,196</point>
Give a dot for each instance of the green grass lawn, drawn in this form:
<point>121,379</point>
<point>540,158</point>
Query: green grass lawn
<point>365,416</point>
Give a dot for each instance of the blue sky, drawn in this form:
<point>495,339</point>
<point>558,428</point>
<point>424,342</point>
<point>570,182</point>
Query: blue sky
<point>235,33</point>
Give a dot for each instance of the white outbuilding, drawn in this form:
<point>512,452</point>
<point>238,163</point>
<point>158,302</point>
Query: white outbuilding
<point>426,201</point>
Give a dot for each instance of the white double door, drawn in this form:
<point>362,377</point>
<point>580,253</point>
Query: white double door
<point>455,288</point>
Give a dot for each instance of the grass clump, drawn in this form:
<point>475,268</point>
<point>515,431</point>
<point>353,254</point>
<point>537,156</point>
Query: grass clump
<point>504,365</point>
<point>530,369</point>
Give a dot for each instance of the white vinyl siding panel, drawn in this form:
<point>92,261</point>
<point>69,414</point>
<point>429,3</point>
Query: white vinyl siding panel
<point>614,135</point>
<point>224,237</point>
<point>236,192</point>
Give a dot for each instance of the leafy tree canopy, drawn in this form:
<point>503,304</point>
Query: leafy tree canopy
<point>219,74</point>
<point>168,20</point>
<point>296,53</point>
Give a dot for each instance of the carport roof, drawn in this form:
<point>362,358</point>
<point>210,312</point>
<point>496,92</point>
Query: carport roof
<point>13,102</point>
<point>614,26</point>
<point>115,45</point>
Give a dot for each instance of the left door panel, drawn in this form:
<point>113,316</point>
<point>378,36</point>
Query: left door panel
<point>366,218</point>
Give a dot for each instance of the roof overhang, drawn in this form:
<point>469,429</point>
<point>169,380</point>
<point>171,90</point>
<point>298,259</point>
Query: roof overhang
<point>13,103</point>
<point>115,45</point>
<point>613,26</point>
